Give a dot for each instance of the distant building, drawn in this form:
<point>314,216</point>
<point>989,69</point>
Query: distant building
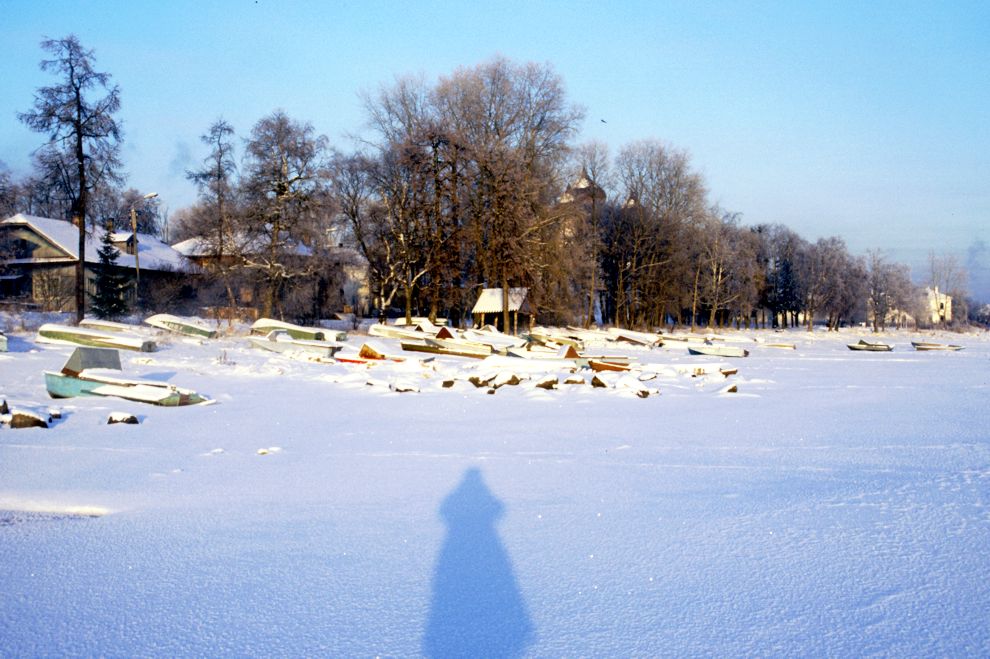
<point>939,306</point>
<point>38,257</point>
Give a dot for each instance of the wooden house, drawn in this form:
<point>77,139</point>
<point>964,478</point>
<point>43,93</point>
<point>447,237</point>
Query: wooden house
<point>38,257</point>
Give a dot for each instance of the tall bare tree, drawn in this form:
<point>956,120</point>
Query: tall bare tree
<point>890,288</point>
<point>77,114</point>
<point>594,164</point>
<point>216,183</point>
<point>820,265</point>
<point>286,198</point>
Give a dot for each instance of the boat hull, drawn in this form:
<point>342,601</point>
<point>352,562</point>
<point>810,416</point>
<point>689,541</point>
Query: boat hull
<point>862,346</point>
<point>60,385</point>
<point>175,324</point>
<point>923,346</point>
<point>64,335</point>
<point>718,351</point>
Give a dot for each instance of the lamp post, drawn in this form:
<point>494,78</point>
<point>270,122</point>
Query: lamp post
<point>137,259</point>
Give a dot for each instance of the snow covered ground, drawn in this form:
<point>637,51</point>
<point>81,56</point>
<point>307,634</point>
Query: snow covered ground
<point>838,504</point>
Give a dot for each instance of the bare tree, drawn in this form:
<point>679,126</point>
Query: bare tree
<point>653,254</point>
<point>82,127</point>
<point>819,266</point>
<point>285,194</point>
<point>890,289</point>
<point>216,181</point>
<point>8,192</point>
<point>846,299</point>
<point>515,121</point>
<point>465,176</point>
<point>594,162</point>
<point>778,254</point>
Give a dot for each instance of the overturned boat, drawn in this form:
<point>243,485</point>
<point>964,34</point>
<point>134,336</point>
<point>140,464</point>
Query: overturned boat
<point>717,350</point>
<point>82,336</point>
<point>282,341</point>
<point>92,372</point>
<point>265,326</point>
<point>180,325</point>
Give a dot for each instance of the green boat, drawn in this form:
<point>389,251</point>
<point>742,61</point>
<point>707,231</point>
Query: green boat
<point>182,326</point>
<point>264,326</point>
<point>68,335</point>
<point>85,374</point>
<point>3,342</point>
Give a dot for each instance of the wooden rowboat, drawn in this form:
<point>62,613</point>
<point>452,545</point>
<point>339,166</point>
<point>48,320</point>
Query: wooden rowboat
<point>599,365</point>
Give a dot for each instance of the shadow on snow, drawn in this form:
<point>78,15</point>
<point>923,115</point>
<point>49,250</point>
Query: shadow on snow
<point>477,609</point>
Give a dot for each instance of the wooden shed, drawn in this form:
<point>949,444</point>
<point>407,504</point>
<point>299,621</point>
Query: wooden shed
<point>488,309</point>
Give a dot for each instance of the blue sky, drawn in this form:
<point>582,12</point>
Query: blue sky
<point>867,120</point>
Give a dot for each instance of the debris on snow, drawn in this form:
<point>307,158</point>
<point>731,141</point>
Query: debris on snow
<point>122,417</point>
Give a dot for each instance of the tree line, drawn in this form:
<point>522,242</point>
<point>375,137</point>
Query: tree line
<point>471,181</point>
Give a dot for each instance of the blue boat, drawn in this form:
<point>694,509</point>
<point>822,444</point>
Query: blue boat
<point>85,374</point>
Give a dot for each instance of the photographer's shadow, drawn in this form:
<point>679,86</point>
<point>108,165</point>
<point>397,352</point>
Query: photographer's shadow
<point>477,609</point>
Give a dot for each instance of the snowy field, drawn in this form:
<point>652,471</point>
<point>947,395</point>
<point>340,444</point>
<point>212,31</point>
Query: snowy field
<point>837,505</point>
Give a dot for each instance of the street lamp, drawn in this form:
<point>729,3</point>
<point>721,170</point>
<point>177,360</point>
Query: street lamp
<point>137,260</point>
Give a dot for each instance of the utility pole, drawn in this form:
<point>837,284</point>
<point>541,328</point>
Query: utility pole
<point>137,250</point>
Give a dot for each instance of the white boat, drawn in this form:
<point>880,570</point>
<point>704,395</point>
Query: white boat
<point>926,345</point>
<point>497,340</point>
<point>263,326</point>
<point>393,332</point>
<point>282,342</point>
<point>180,325</point>
<point>460,347</point>
<point>107,325</point>
<point>3,342</point>
<point>647,339</point>
<point>554,335</point>
<point>717,351</point>
<point>868,346</point>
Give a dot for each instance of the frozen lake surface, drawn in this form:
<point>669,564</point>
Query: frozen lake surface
<point>837,504</point>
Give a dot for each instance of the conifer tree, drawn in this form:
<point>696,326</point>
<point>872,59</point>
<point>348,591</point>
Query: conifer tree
<point>110,300</point>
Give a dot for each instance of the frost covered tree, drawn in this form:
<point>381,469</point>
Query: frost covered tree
<point>216,183</point>
<point>285,197</point>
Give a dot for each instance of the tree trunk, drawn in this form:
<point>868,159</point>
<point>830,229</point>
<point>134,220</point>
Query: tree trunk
<point>505,302</point>
<point>408,293</point>
<point>80,214</point>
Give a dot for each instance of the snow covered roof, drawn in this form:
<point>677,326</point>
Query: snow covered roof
<point>490,300</point>
<point>197,246</point>
<point>154,254</point>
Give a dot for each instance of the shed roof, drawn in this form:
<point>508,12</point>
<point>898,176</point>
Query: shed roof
<point>490,300</point>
